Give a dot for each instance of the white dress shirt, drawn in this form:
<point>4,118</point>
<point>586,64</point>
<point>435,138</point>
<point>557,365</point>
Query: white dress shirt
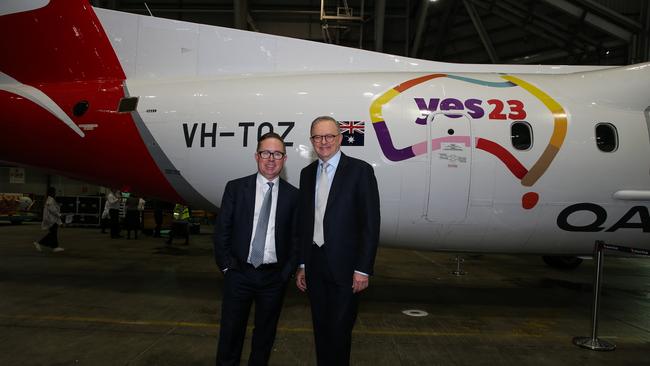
<point>331,170</point>
<point>260,190</point>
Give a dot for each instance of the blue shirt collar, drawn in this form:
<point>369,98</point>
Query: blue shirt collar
<point>333,162</point>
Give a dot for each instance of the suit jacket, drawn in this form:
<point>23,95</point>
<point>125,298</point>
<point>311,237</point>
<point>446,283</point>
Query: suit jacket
<point>234,225</point>
<point>352,218</point>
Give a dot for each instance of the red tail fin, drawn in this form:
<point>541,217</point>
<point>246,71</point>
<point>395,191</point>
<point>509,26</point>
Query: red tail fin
<point>62,113</point>
<point>62,41</point>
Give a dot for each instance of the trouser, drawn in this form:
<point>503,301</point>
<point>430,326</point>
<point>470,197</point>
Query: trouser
<point>182,227</point>
<point>158,218</point>
<point>51,239</point>
<point>242,287</point>
<point>105,223</point>
<point>132,220</point>
<point>333,310</point>
<point>115,222</point>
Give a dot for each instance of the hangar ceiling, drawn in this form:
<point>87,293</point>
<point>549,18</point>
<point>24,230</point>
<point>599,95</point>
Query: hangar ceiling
<point>587,32</point>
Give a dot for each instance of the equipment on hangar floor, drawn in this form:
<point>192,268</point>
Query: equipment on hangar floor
<point>85,210</point>
<point>15,208</point>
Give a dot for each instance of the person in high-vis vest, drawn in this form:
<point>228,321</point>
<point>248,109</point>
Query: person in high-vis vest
<point>181,223</point>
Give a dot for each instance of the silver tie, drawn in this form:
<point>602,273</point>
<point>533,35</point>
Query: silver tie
<point>257,252</point>
<point>321,204</point>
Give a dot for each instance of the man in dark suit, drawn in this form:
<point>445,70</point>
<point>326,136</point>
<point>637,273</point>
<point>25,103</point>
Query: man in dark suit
<point>339,233</point>
<point>254,245</point>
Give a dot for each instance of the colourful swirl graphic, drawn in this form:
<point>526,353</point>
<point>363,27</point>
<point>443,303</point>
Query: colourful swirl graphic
<point>526,176</point>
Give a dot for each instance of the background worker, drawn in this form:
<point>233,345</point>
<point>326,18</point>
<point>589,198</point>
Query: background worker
<point>181,223</point>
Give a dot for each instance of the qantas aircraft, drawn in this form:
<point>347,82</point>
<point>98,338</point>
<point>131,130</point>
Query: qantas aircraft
<point>476,158</point>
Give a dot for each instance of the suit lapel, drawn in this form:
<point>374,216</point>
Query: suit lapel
<point>279,206</point>
<point>311,183</point>
<point>249,202</point>
<point>337,182</point>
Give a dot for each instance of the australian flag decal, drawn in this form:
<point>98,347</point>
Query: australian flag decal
<point>353,132</point>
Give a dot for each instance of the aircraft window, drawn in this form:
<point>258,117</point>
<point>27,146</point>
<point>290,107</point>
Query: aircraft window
<point>606,137</point>
<point>80,108</point>
<point>127,104</point>
<point>521,135</point>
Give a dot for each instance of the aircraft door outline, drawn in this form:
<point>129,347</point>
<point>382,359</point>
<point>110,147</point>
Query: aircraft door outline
<point>647,122</point>
<point>449,154</point>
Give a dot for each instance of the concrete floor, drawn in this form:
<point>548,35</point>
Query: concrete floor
<point>127,302</point>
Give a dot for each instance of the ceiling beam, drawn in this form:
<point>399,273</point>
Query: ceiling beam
<point>613,15</point>
<point>443,27</point>
<point>419,30</point>
<point>645,35</point>
<point>592,19</point>
<point>556,54</point>
<point>480,29</point>
<point>380,17</point>
<point>251,22</point>
<point>241,14</point>
<point>562,26</point>
<point>537,29</point>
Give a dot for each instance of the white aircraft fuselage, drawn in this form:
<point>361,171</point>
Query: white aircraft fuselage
<point>440,137</point>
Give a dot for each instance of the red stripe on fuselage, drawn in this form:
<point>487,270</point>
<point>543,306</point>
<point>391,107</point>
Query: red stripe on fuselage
<point>62,50</point>
<point>504,155</point>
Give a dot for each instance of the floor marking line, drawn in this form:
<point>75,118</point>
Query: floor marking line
<point>175,324</point>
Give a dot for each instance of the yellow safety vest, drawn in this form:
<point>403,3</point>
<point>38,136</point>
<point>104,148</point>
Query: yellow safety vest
<point>181,213</point>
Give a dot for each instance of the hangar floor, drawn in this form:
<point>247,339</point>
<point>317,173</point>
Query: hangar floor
<point>128,302</point>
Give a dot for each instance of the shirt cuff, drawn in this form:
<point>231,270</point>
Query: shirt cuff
<point>361,273</point>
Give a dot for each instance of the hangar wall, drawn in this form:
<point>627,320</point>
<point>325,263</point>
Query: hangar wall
<point>35,182</point>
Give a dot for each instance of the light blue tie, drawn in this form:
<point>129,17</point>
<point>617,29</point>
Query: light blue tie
<point>321,203</point>
<point>257,252</point>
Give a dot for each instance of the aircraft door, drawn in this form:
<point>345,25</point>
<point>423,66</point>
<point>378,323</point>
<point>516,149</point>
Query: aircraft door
<point>450,159</point>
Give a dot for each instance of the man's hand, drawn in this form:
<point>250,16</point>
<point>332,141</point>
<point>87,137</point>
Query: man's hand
<point>359,282</point>
<point>301,282</point>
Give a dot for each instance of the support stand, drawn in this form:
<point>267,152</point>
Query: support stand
<point>593,343</point>
<point>459,271</point>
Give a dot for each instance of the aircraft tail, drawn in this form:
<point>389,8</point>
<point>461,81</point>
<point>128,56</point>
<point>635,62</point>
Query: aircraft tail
<point>54,41</point>
<point>61,91</point>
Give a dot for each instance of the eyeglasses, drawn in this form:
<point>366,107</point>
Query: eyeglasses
<point>277,155</point>
<point>320,138</point>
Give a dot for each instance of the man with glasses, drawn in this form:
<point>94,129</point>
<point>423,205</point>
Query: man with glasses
<point>254,247</point>
<point>339,233</point>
